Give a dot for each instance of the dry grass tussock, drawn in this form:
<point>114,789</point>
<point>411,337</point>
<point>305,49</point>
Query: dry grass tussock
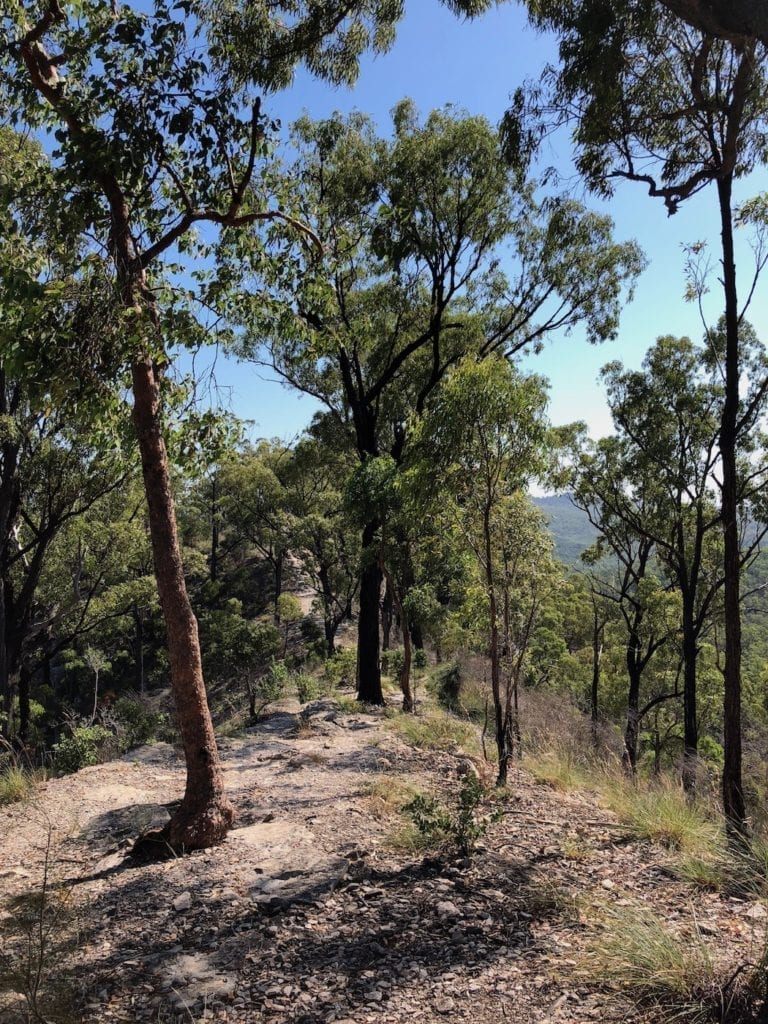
<point>437,730</point>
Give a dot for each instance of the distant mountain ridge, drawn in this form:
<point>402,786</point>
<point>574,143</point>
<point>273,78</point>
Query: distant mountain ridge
<point>571,530</point>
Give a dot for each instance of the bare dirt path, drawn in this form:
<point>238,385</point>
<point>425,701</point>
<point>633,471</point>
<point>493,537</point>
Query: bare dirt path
<point>305,913</point>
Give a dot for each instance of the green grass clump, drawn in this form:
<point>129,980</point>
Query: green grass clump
<point>560,770</point>
<point>388,796</point>
<point>16,785</point>
<point>637,952</point>
<point>349,706</point>
<point>387,799</point>
<point>436,730</point>
<point>663,814</point>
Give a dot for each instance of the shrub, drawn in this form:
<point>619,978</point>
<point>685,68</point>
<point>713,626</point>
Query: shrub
<point>267,689</point>
<point>341,669</point>
<point>664,815</point>
<point>135,724</point>
<point>447,685</point>
<point>636,951</point>
<point>463,825</point>
<point>392,661</point>
<point>306,687</point>
<point>419,658</point>
<point>87,745</point>
<point>437,731</point>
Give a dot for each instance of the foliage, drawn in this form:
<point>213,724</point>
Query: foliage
<point>339,669</point>
<point>436,731</point>
<point>135,723</point>
<point>85,746</point>
<point>462,826</point>
<point>307,687</point>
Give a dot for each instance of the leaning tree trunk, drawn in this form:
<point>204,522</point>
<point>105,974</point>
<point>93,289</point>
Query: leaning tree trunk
<point>205,815</point>
<point>368,652</point>
<point>733,792</point>
<point>25,709</point>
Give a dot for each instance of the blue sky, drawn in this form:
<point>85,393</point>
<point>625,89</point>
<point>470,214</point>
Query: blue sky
<point>439,59</point>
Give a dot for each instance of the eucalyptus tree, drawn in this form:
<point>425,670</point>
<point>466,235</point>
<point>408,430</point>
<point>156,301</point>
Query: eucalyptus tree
<point>323,540</point>
<point>57,458</point>
<point>483,437</point>
<point>624,575</point>
<point>672,95</point>
<point>414,231</point>
<point>659,477</point>
<point>255,507</point>
<point>148,146</point>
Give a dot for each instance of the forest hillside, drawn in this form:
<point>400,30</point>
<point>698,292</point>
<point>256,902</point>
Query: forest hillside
<point>366,878</point>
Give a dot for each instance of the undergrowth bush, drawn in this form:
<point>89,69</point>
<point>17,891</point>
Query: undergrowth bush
<point>307,687</point>
<point>341,669</point>
<point>86,745</point>
<point>461,825</point>
<point>135,723</point>
<point>392,661</point>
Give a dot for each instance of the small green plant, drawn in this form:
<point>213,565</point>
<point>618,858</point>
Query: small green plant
<point>436,731</point>
<point>419,658</point>
<point>348,705</point>
<point>463,825</point>
<point>392,661</point>
<point>307,688</point>
<point>87,745</point>
<point>663,814</point>
<point>447,685</point>
<point>267,689</point>
<point>559,769</point>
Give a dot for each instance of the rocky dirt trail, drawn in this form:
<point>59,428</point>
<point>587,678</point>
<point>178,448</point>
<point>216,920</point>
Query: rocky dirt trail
<point>306,913</point>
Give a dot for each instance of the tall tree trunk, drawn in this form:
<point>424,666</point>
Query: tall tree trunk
<point>214,564</point>
<point>632,728</point>
<point>494,655</point>
<point>205,815</point>
<point>690,719</point>
<point>25,678</point>
<point>278,565</point>
<point>594,691</point>
<point>386,619</point>
<point>138,647</point>
<point>329,619</point>
<point>733,792</point>
<point>409,704</point>
<point>5,679</point>
<point>368,652</point>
